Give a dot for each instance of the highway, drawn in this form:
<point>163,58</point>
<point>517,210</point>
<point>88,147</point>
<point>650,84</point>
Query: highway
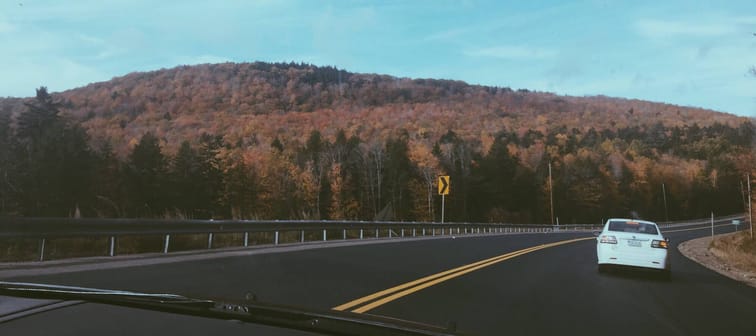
<point>487,285</point>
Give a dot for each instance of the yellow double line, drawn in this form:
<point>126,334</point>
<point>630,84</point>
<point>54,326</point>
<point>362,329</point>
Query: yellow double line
<point>371,301</point>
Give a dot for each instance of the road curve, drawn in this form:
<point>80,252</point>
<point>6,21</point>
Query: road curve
<point>549,290</point>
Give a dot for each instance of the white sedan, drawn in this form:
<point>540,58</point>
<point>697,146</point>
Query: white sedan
<point>634,243</point>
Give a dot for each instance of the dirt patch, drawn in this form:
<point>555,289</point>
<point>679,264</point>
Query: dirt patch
<point>731,255</point>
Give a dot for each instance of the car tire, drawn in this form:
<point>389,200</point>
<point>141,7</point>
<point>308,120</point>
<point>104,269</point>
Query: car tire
<point>601,268</point>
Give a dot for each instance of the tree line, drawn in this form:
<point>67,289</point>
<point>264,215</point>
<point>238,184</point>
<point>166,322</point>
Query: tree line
<point>49,167</point>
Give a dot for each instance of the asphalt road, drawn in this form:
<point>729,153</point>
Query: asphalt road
<point>554,290</point>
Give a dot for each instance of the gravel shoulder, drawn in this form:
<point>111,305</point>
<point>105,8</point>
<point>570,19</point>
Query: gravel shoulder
<point>698,251</point>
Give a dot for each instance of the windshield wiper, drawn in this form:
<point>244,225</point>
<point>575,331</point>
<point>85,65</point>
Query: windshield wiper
<point>327,322</point>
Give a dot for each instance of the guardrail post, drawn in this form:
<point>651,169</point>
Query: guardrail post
<point>361,233</point>
<point>275,238</point>
<point>325,237</point>
<point>246,239</point>
<point>434,232</point>
<point>166,242</point>
<point>413,232</point>
<point>343,234</point>
<point>112,246</point>
<point>390,233</point>
<point>301,236</point>
<point>209,240</point>
<point>376,233</point>
<point>402,233</point>
<point>42,249</point>
<point>423,232</point>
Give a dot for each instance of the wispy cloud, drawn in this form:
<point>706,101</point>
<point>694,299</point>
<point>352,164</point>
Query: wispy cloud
<point>670,29</point>
<point>512,52</point>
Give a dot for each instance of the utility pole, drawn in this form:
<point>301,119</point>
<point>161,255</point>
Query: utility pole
<point>551,195</point>
<point>743,195</point>
<point>750,203</point>
<point>664,193</point>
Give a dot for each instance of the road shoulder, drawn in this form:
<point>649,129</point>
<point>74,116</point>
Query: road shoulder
<point>698,251</point>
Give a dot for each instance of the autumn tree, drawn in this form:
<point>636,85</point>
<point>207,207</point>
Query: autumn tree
<point>456,157</point>
<point>348,180</point>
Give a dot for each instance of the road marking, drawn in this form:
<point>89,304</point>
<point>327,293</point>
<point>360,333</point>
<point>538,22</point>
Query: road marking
<point>385,296</point>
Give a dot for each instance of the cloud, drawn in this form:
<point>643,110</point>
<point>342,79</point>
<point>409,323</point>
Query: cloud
<point>671,29</point>
<point>512,52</point>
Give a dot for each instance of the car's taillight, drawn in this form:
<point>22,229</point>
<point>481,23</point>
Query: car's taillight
<point>608,240</point>
<point>659,243</point>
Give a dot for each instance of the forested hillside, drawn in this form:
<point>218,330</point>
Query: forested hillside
<point>261,140</point>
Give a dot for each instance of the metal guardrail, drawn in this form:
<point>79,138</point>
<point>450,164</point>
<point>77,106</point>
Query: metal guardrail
<point>701,221</point>
<point>50,228</point>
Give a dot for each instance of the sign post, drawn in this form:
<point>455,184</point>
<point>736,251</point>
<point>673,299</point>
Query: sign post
<point>443,190</point>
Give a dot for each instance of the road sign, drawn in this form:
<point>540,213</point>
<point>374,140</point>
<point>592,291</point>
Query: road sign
<point>443,185</point>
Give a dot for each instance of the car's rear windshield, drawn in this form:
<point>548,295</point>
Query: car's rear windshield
<point>634,227</point>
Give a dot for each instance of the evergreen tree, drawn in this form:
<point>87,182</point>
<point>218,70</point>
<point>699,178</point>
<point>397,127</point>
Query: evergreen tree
<point>186,181</point>
<point>146,178</point>
<point>55,161</point>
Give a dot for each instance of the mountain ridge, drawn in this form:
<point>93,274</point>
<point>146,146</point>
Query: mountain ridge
<point>254,103</point>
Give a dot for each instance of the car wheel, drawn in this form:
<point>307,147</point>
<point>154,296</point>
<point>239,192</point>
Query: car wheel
<point>601,268</point>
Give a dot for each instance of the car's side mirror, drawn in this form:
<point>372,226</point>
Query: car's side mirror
<point>667,239</point>
<point>596,233</point>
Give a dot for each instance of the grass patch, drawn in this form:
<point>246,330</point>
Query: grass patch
<point>737,250</point>
<point>12,250</point>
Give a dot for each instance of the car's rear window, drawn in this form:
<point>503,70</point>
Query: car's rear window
<point>634,227</point>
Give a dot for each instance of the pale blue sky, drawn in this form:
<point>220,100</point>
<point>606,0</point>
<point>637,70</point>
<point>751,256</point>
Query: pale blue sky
<point>689,53</point>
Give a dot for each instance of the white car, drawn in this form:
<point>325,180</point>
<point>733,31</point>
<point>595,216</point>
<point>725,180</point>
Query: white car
<point>634,243</point>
